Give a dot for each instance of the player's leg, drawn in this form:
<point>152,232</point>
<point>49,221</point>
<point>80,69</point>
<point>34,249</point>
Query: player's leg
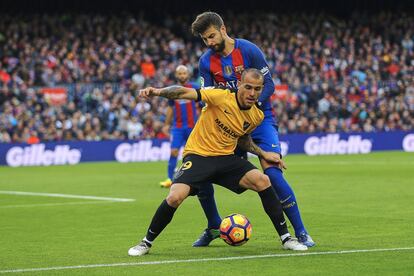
<point>239,174</point>
<point>208,203</point>
<point>206,198</point>
<point>162,217</point>
<point>177,140</point>
<point>288,201</point>
<point>266,137</point>
<point>259,182</point>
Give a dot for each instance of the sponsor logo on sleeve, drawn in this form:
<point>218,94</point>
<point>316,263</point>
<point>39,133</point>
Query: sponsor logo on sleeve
<point>265,70</point>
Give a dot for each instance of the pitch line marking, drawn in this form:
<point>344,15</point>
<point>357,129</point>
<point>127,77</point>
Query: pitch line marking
<point>208,259</point>
<point>113,199</point>
<point>56,204</point>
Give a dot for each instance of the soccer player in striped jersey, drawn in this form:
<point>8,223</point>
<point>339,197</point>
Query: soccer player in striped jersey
<point>223,64</point>
<point>181,117</point>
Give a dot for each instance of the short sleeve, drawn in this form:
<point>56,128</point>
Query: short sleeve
<point>213,96</point>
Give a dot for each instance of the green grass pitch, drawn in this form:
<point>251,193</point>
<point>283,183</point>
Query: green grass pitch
<point>354,202</point>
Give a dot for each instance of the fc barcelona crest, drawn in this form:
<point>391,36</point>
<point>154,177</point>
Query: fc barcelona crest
<point>239,69</point>
<point>246,125</point>
<point>228,70</point>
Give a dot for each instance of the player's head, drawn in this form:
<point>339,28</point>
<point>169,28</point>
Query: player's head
<point>210,26</point>
<point>250,87</point>
<point>182,74</point>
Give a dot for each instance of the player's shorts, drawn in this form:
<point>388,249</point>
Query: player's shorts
<point>266,137</point>
<point>179,137</point>
<point>225,171</point>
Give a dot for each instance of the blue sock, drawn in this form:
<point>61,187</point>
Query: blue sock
<point>287,198</point>
<point>171,166</point>
<point>206,198</point>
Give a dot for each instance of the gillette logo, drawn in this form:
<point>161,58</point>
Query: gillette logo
<point>36,155</point>
<point>142,151</point>
<point>408,143</point>
<point>331,144</point>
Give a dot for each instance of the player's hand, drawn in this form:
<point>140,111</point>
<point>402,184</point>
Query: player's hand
<point>274,158</point>
<point>149,92</point>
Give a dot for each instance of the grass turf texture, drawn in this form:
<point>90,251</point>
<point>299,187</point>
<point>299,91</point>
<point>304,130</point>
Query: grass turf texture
<point>347,202</point>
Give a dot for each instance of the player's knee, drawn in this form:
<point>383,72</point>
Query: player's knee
<point>174,152</point>
<point>174,199</point>
<point>262,183</point>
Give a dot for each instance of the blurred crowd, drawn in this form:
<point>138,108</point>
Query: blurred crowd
<point>342,74</point>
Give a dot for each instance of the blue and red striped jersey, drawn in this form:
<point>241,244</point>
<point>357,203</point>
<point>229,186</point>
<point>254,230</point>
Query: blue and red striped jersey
<point>226,71</point>
<point>184,111</point>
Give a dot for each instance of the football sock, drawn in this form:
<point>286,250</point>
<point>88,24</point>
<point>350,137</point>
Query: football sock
<point>147,242</point>
<point>206,198</point>
<point>287,198</point>
<point>274,211</point>
<point>160,220</point>
<point>284,238</point>
<point>172,163</point>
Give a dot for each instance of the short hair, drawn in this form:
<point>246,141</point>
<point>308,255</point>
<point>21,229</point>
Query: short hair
<point>179,67</point>
<point>204,20</point>
<point>256,73</point>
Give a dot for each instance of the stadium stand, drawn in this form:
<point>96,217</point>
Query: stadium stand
<point>75,76</point>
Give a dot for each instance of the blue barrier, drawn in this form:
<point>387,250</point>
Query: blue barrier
<point>347,143</point>
<point>62,153</point>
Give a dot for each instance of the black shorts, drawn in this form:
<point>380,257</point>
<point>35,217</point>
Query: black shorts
<point>225,171</point>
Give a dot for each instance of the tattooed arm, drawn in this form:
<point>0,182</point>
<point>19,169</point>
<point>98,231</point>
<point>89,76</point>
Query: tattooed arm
<point>246,143</point>
<point>170,92</point>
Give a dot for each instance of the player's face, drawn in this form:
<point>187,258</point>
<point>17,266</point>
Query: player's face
<point>213,38</point>
<point>249,91</point>
<point>182,75</point>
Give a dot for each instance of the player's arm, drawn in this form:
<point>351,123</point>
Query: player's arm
<point>171,92</point>
<point>258,61</point>
<point>168,116</point>
<point>168,120</point>
<point>246,143</point>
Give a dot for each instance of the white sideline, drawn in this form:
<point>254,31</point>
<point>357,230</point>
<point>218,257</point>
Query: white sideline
<point>55,204</point>
<point>207,259</point>
<point>114,199</point>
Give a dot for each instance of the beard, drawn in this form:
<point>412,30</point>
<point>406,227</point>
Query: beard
<point>218,47</point>
<point>182,80</point>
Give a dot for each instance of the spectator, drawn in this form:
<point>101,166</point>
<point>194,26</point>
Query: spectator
<point>337,74</point>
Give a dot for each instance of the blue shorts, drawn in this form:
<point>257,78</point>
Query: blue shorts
<point>179,137</point>
<point>266,137</point>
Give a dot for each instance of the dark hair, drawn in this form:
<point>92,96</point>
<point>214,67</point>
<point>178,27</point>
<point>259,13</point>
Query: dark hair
<point>204,20</point>
<point>256,73</point>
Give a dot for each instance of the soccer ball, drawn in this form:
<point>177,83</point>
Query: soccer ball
<point>235,229</point>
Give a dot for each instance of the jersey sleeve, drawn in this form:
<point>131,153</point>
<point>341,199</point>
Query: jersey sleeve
<point>213,96</point>
<point>258,61</point>
<point>197,87</point>
<point>205,75</point>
